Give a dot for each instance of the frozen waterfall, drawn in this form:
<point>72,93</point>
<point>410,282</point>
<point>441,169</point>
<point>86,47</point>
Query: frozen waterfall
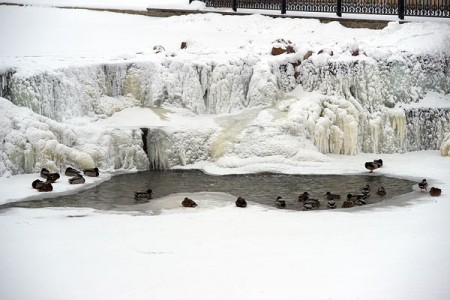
<point>292,108</point>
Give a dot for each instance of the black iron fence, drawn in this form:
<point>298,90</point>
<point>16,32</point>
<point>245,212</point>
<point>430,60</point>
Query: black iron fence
<point>402,8</point>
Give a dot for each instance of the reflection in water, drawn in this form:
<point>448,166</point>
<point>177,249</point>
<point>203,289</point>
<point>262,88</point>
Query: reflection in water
<point>118,193</point>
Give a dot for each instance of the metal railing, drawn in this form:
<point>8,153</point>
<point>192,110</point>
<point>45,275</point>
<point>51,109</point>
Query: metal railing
<point>402,8</point>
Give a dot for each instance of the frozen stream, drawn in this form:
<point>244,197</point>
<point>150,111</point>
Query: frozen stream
<point>170,187</point>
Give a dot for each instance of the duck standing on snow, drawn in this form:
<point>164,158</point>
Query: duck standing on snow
<point>379,162</point>
<point>91,172</point>
<point>45,187</point>
<point>78,179</point>
<point>71,172</point>
<point>240,202</point>
<point>37,184</point>
<point>434,191</point>
<point>280,203</point>
<point>370,165</point>
<point>188,202</point>
<point>423,185</point>
<point>143,195</point>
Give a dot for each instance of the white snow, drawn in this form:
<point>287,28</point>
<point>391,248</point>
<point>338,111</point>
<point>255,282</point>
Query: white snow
<point>394,250</point>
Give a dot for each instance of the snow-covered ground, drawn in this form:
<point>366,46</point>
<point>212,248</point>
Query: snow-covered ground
<point>393,250</point>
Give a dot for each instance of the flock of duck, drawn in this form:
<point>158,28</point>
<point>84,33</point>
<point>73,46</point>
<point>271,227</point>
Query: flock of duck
<point>305,198</point>
<point>75,178</point>
<point>309,203</point>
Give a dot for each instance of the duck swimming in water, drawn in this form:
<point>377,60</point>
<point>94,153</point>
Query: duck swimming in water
<point>331,204</point>
<point>280,203</point>
<point>188,202</point>
<point>311,204</point>
<point>381,191</point>
<point>92,172</point>
<point>71,172</point>
<point>423,185</point>
<point>78,179</point>
<point>143,195</point>
<point>331,196</point>
<point>303,197</point>
<point>365,190</point>
<point>240,202</point>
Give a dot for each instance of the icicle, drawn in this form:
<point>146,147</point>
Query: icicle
<point>375,131</point>
<point>159,146</point>
<point>398,122</point>
<point>322,135</point>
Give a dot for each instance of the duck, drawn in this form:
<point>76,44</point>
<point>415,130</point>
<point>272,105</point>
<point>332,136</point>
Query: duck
<point>91,172</point>
<point>434,191</point>
<point>45,187</point>
<point>331,196</point>
<point>365,190</point>
<point>348,203</point>
<point>331,204</point>
<point>371,166</point>
<point>188,202</point>
<point>280,203</point>
<point>78,179</point>
<point>314,203</point>
<point>423,185</point>
<point>240,202</point>
<point>381,191</point>
<point>71,172</point>
<point>354,197</point>
<point>143,195</point>
<point>307,206</point>
<point>44,172</point>
<point>37,184</point>
<point>379,162</point>
<point>52,177</point>
<point>360,201</point>
<point>303,197</point>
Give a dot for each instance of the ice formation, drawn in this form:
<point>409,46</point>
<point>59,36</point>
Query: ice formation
<point>294,108</point>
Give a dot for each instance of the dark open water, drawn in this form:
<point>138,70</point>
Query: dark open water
<point>118,193</point>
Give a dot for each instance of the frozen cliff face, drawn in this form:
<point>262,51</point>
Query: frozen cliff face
<point>30,142</point>
<point>293,107</point>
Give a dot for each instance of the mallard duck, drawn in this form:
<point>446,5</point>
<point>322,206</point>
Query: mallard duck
<point>354,197</point>
<point>45,187</point>
<point>434,191</point>
<point>348,204</point>
<point>303,197</point>
<point>331,204</point>
<point>314,203</point>
<point>379,162</point>
<point>423,185</point>
<point>52,177</point>
<point>44,172</point>
<point>240,202</point>
<point>360,201</point>
<point>143,195</point>
<point>91,172</point>
<point>307,205</point>
<point>365,190</point>
<point>280,203</point>
<point>78,179</point>
<point>37,184</point>
<point>381,191</point>
<point>331,196</point>
<point>188,202</point>
<point>71,172</point>
<point>370,165</point>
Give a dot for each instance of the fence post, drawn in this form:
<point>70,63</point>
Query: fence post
<point>401,9</point>
<point>339,8</point>
<point>283,7</point>
<point>234,5</point>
